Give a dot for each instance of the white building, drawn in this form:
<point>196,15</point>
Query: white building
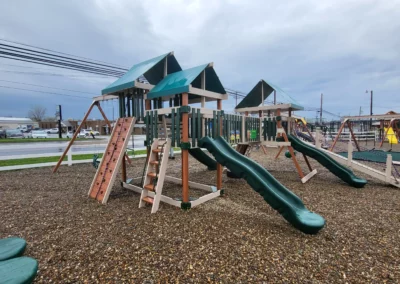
<point>17,122</point>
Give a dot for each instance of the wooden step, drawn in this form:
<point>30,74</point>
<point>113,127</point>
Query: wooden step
<point>148,199</point>
<point>152,175</point>
<point>149,186</point>
<point>156,163</point>
<point>156,150</point>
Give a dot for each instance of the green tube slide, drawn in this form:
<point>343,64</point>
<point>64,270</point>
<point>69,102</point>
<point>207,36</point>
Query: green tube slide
<point>203,158</point>
<point>274,193</point>
<point>325,160</point>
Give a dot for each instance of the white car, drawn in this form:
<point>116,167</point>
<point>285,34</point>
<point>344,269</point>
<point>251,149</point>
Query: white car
<point>52,131</point>
<point>39,134</point>
<point>86,133</point>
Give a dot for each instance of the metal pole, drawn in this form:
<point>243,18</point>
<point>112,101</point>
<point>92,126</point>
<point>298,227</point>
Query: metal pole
<point>320,113</point>
<point>59,122</point>
<point>370,122</point>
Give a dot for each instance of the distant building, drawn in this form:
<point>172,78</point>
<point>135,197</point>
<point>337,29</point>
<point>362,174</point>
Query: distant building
<point>17,122</point>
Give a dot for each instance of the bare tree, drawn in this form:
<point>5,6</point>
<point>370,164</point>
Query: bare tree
<point>37,113</point>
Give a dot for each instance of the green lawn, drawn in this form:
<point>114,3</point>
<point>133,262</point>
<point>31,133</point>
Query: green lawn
<point>29,161</point>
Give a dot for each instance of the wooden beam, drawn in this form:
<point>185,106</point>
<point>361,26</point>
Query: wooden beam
<point>105,98</point>
<point>282,107</point>
<point>74,137</point>
<point>209,94</point>
<point>378,116</point>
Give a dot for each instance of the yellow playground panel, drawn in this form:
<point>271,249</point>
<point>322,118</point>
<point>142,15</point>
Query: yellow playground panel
<point>391,136</point>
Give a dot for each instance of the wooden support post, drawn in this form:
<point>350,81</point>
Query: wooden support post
<point>147,107</point>
<point>338,135</point>
<point>349,153</point>
<point>318,139</point>
<point>388,171</point>
<point>219,166</point>
<point>307,162</point>
<point>290,148</point>
<point>353,136</point>
<point>279,152</point>
<point>74,137</point>
<point>185,152</point>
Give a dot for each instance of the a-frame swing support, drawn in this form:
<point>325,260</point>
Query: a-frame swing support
<point>77,131</point>
<point>345,121</point>
<point>281,132</point>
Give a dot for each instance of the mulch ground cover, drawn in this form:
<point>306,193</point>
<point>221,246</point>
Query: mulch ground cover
<point>237,238</point>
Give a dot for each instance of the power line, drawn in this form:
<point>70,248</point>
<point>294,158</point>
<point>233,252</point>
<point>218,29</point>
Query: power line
<point>41,86</point>
<point>41,48</point>
<point>59,94</point>
<point>75,69</point>
<point>57,57</point>
<point>54,74</point>
<point>80,67</point>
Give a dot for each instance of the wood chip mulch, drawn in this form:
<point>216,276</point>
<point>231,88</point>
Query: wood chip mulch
<point>237,238</point>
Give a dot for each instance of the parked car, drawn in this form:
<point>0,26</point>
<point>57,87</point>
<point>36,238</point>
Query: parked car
<point>27,134</point>
<point>3,134</point>
<point>52,131</point>
<point>69,134</point>
<point>14,133</point>
<point>95,133</point>
<point>39,134</point>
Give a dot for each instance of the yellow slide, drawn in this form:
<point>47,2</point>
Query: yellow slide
<point>391,136</point>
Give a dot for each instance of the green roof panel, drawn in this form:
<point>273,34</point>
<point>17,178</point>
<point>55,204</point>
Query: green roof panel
<point>152,70</point>
<point>254,98</point>
<point>176,83</point>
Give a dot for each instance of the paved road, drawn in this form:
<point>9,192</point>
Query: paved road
<point>86,145</point>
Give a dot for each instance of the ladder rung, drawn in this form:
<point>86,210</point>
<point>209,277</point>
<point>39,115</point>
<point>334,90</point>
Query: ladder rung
<point>154,163</point>
<point>149,186</point>
<point>153,175</point>
<point>148,199</point>
<point>156,150</point>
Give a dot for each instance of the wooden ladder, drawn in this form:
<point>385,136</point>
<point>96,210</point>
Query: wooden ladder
<point>155,174</point>
<point>112,158</point>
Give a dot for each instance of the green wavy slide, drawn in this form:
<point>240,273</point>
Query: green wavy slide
<point>274,193</point>
<point>325,160</point>
<point>203,158</point>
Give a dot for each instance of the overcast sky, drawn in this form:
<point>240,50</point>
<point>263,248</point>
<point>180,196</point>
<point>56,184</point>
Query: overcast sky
<point>338,48</point>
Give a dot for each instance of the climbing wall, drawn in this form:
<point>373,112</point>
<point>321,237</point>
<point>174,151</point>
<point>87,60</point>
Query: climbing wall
<point>112,159</point>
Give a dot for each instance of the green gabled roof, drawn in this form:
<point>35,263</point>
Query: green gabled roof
<point>254,98</point>
<point>179,82</point>
<point>152,70</point>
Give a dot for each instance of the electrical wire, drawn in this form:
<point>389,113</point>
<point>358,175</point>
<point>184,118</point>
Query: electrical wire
<point>41,86</point>
<point>59,94</point>
<point>46,49</point>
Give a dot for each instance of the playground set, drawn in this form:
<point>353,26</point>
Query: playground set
<point>172,104</point>
<point>355,153</point>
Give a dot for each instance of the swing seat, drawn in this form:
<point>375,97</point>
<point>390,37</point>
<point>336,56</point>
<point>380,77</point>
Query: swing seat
<point>95,161</point>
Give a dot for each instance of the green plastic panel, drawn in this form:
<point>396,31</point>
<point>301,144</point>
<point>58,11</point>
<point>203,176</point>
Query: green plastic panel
<point>128,79</point>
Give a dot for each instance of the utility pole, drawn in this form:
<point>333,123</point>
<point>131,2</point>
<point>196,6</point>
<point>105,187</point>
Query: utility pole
<point>320,112</point>
<point>274,97</point>
<point>236,100</point>
<point>370,110</point>
<point>59,118</point>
